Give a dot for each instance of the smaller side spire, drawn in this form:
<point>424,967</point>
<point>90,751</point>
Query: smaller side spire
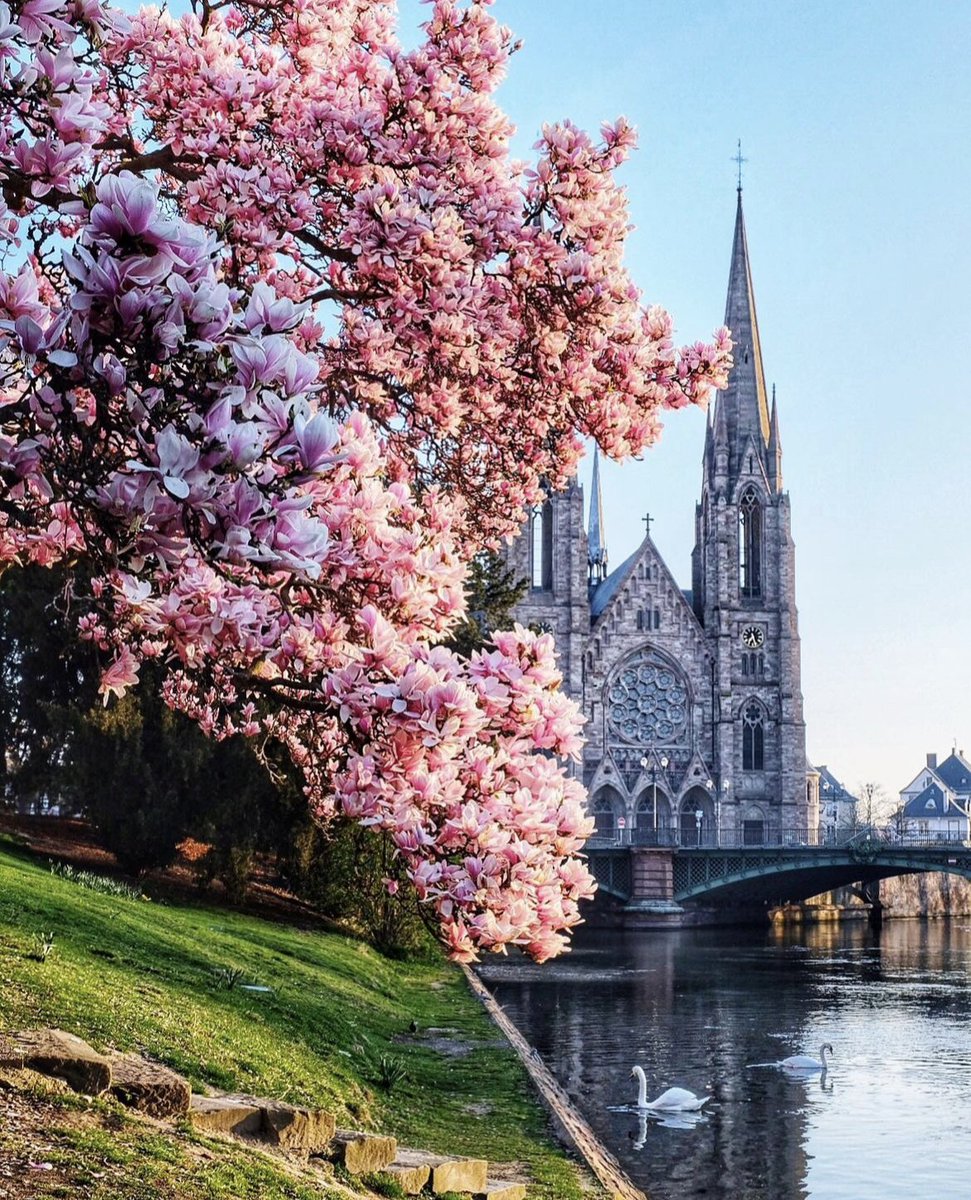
<point>720,441</point>
<point>596,530</point>
<point>775,446</point>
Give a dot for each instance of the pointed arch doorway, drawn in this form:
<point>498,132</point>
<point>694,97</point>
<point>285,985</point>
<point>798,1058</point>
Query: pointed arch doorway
<point>696,818</point>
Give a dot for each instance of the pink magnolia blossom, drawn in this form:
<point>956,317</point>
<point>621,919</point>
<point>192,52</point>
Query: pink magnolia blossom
<point>296,336</point>
<point>120,675</point>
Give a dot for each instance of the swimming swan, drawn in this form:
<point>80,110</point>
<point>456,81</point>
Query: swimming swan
<point>673,1100</point>
<point>802,1062</point>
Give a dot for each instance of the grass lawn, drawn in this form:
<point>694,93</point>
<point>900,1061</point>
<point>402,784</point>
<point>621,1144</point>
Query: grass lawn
<point>154,977</point>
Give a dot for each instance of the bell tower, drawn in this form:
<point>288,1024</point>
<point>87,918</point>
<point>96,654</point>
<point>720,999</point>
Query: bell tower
<point>743,569</point>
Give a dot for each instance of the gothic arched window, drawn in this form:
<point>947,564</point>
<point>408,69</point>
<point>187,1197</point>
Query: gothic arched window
<point>604,815</point>
<point>750,544</point>
<point>753,738</point>
<point>541,548</point>
<point>753,826</point>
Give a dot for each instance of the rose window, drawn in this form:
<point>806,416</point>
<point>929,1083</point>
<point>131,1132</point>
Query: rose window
<point>647,701</point>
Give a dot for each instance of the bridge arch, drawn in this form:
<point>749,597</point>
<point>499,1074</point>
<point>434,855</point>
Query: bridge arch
<point>765,876</point>
<point>781,875</point>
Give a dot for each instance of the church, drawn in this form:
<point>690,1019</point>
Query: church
<point>693,699</point>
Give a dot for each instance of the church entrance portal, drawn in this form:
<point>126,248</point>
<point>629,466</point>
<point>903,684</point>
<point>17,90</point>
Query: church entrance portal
<point>652,825</point>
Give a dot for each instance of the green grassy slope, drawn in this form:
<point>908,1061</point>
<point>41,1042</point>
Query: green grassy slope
<point>141,975</point>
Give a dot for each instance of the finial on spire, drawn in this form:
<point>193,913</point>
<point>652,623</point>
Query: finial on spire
<point>738,160</point>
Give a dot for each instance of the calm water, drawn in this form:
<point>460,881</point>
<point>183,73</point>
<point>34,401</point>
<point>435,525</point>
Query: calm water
<point>695,1009</point>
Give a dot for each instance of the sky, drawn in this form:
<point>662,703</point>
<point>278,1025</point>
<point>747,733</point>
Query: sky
<point>856,123</point>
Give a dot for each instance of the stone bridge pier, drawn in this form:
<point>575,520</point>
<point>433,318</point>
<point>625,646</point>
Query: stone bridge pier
<point>652,904</point>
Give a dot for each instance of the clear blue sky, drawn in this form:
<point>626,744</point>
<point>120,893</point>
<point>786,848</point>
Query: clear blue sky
<point>856,120</point>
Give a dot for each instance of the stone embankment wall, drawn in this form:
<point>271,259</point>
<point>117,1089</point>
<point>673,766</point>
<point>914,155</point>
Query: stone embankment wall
<point>933,894</point>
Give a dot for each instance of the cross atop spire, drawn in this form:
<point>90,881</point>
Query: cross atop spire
<point>738,160</point>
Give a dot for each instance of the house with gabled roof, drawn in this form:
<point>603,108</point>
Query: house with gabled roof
<point>936,804</point>
<point>837,807</point>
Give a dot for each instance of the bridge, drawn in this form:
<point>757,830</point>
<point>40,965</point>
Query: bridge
<point>657,881</point>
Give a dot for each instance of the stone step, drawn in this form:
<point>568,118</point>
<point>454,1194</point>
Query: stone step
<point>148,1086</point>
<point>291,1127</point>
<point>225,1114</point>
<point>410,1176</point>
<point>502,1189</point>
<point>54,1052</point>
<point>295,1128</point>
<point>448,1174</point>
<point>361,1153</point>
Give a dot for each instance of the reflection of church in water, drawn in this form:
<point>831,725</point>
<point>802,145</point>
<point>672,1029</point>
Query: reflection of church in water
<point>693,698</point>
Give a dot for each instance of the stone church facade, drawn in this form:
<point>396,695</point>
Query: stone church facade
<point>692,698</point>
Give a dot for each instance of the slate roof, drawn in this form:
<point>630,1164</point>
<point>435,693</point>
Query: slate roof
<point>605,591</point>
<point>956,773</point>
<point>836,790</point>
<point>933,801</point>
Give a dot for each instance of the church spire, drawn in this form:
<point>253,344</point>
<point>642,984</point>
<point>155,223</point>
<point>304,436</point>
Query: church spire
<point>775,446</point>
<point>744,400</point>
<point>596,535</point>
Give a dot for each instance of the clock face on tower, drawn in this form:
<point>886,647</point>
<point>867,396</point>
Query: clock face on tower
<point>753,636</point>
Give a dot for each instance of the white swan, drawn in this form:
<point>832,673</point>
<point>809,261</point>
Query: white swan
<point>673,1100</point>
<point>803,1062</point>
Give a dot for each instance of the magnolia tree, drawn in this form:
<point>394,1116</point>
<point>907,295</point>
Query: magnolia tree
<point>285,337</point>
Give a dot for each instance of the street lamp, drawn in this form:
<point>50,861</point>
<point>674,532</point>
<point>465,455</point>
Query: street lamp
<point>699,814</point>
<point>726,786</point>
<point>663,760</point>
<point>710,785</point>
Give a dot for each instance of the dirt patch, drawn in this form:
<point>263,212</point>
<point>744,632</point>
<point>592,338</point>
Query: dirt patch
<point>55,1144</point>
<point>67,840</point>
<point>29,1110</point>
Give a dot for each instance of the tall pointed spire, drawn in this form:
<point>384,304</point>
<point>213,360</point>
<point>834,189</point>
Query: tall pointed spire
<point>744,400</point>
<point>596,529</point>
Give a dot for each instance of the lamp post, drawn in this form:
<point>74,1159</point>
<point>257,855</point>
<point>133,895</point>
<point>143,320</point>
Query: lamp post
<point>726,786</point>
<point>828,812</point>
<point>663,760</point>
<point>699,815</point>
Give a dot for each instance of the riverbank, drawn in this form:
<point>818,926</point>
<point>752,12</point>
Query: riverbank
<point>239,1003</point>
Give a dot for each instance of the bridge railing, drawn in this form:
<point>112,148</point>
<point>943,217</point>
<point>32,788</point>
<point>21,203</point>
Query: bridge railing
<point>881,837</point>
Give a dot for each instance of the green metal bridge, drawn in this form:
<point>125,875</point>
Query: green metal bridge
<point>771,875</point>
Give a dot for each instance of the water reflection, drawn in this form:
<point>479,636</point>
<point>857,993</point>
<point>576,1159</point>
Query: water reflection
<point>708,1010</point>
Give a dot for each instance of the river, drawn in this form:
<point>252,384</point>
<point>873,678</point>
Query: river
<point>698,1009</point>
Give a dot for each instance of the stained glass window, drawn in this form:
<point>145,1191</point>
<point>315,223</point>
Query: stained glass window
<point>647,701</point>
<point>750,544</point>
<point>753,738</point>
